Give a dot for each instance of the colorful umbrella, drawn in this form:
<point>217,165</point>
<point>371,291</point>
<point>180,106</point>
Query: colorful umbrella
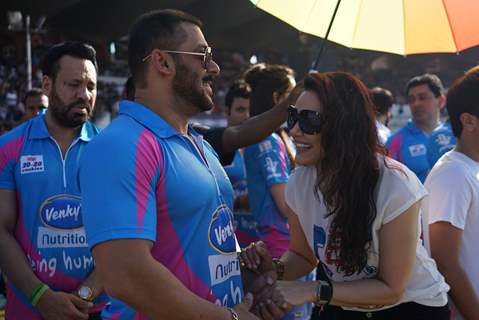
<point>396,26</point>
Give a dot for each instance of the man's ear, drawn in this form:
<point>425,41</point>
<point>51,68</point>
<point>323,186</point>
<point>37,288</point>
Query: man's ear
<point>275,97</point>
<point>442,101</point>
<point>47,85</point>
<point>162,62</point>
<point>470,123</point>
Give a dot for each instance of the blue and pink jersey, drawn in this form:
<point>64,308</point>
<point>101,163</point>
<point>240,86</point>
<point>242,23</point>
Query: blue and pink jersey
<point>267,163</point>
<point>49,225</point>
<point>142,179</point>
<point>245,223</point>
<point>441,141</point>
<point>409,146</point>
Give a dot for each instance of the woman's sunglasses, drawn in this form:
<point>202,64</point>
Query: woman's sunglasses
<point>309,121</point>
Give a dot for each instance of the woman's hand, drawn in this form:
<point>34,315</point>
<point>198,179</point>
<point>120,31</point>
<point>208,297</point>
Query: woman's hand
<point>297,292</point>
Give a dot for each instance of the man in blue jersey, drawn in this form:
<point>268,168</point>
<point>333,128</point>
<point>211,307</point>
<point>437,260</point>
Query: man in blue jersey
<point>164,246</point>
<point>409,144</point>
<point>43,249</point>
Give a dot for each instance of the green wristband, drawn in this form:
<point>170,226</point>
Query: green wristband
<point>38,293</point>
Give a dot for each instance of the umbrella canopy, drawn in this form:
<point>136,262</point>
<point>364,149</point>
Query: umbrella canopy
<point>396,26</point>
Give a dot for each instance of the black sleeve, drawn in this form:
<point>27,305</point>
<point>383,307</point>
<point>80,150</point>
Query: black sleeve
<point>215,139</point>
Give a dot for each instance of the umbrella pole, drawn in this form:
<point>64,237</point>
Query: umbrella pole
<point>323,43</point>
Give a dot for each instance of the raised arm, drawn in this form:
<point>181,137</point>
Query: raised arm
<point>257,128</point>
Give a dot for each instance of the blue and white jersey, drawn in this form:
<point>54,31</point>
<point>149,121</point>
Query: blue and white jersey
<point>49,228</point>
<point>151,182</point>
<point>267,163</point>
<point>441,141</point>
<point>409,146</point>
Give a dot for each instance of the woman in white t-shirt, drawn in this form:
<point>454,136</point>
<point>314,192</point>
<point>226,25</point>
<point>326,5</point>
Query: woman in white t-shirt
<point>355,210</point>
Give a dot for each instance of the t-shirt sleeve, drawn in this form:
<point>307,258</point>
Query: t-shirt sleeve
<point>449,197</point>
<point>393,144</point>
<point>9,155</point>
<point>399,190</point>
<point>290,192</point>
<point>118,179</point>
<point>273,161</point>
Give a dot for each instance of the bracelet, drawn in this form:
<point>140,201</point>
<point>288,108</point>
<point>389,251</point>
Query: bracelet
<point>324,293</point>
<point>234,315</point>
<point>37,293</point>
<point>279,267</point>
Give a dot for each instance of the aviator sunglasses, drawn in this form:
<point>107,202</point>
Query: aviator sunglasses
<point>207,55</point>
<point>309,121</point>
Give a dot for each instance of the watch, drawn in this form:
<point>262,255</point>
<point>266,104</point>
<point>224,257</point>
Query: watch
<point>86,293</point>
<point>324,293</point>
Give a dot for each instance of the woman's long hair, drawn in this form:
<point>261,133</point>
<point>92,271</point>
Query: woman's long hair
<point>348,170</point>
<point>265,80</point>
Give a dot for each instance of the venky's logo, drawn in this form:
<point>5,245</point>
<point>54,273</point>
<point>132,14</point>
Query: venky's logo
<point>221,231</point>
<point>62,212</point>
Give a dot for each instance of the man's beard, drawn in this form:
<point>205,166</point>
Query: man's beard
<point>63,113</point>
<point>185,86</point>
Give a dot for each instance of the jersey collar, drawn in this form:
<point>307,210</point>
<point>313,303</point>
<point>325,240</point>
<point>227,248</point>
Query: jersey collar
<point>39,129</point>
<point>149,119</point>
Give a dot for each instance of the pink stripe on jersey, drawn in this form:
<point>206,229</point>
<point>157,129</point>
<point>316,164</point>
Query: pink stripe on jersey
<point>282,156</point>
<point>395,149</point>
<point>168,249</point>
<point>10,151</point>
<point>148,154</point>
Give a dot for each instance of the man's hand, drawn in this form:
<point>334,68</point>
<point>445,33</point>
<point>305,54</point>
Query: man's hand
<point>256,258</point>
<point>62,306</point>
<point>243,309</point>
<point>259,278</point>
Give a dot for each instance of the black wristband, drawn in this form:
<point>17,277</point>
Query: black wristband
<point>324,292</point>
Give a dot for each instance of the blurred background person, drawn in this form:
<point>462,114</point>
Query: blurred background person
<point>409,144</point>
<point>383,101</point>
<point>35,102</point>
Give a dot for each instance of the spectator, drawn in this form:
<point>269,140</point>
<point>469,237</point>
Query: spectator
<point>452,208</point>
<point>409,144</point>
<point>383,101</point>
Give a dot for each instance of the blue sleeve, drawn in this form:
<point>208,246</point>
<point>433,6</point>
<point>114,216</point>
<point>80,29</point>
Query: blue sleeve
<point>117,179</point>
<point>273,161</point>
<point>10,148</point>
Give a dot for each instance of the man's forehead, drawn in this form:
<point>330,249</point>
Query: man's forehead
<point>194,37</point>
<point>73,66</point>
<point>422,88</point>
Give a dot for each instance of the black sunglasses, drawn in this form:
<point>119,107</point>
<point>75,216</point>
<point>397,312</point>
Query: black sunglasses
<point>310,122</point>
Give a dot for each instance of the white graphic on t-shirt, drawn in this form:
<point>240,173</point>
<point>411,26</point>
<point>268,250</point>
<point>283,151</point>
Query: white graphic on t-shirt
<point>271,167</point>
<point>417,150</point>
<point>31,164</point>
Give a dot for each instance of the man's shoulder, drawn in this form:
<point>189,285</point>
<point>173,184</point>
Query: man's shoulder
<point>17,134</point>
<point>448,169</point>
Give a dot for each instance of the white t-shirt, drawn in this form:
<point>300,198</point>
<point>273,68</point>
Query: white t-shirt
<point>453,186</point>
<point>397,190</point>
<point>383,132</point>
